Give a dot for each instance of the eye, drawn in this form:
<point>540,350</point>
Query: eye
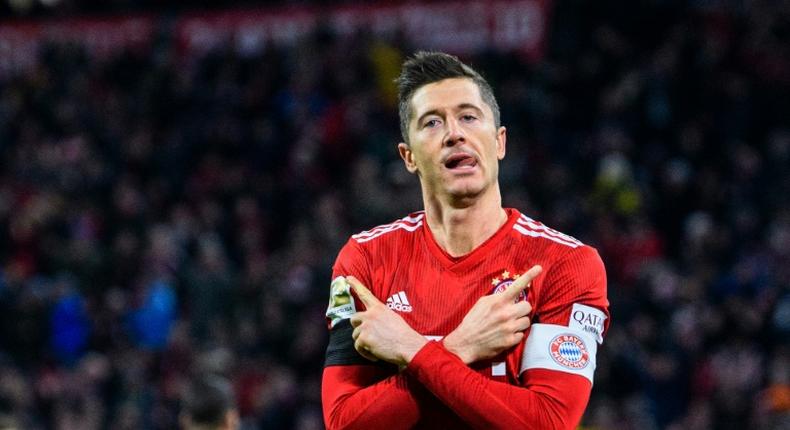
<point>468,117</point>
<point>431,123</point>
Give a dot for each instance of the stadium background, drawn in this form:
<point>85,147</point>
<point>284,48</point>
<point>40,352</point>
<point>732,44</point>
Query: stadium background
<point>176,179</point>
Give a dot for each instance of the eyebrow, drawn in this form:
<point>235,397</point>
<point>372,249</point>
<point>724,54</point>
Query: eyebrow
<point>461,106</point>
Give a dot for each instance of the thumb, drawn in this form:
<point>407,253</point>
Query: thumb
<point>367,298</point>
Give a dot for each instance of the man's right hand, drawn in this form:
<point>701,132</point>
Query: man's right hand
<point>495,323</point>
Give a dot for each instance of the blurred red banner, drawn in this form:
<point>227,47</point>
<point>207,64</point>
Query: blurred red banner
<point>459,27</point>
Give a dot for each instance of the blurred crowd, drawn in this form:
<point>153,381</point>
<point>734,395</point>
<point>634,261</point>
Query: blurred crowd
<point>163,217</point>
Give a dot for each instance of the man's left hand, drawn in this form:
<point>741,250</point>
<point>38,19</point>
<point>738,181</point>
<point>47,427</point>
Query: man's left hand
<point>380,333</point>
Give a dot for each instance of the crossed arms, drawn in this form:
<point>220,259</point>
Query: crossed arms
<point>363,396</point>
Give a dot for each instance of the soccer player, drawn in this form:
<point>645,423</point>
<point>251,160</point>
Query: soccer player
<point>465,314</point>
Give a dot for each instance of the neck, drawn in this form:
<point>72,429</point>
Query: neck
<point>461,226</point>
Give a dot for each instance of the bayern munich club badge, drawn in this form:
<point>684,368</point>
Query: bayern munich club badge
<point>500,284</point>
<point>569,350</point>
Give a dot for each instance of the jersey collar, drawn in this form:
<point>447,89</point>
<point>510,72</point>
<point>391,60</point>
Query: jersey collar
<point>459,264</point>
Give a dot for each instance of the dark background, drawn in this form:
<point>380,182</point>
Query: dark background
<point>160,219</point>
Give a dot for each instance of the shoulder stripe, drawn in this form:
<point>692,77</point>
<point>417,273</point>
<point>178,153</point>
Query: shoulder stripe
<point>379,229</point>
<point>409,223</point>
<point>393,227</point>
<point>526,232</point>
<point>539,226</point>
<point>405,220</point>
<point>534,229</point>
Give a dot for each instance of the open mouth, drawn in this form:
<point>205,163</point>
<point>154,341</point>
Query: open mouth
<point>460,160</point>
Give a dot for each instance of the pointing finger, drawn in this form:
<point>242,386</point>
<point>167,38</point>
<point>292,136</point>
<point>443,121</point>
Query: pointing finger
<point>367,298</point>
<point>522,282</point>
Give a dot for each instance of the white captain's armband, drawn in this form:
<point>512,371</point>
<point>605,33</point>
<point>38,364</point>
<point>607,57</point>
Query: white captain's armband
<point>556,347</point>
<point>341,303</point>
<point>588,319</point>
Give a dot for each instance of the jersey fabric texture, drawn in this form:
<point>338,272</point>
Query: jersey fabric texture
<point>544,382</point>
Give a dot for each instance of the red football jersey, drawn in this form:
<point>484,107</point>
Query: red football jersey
<point>405,268</point>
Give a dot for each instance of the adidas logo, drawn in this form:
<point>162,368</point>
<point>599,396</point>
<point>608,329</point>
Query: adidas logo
<point>399,302</point>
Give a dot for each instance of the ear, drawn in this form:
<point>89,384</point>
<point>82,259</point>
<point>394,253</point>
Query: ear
<point>408,157</point>
<point>501,143</point>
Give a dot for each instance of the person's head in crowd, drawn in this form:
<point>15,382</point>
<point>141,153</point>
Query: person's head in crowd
<point>209,404</point>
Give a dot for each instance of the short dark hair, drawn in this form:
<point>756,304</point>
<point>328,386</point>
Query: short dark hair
<point>424,68</point>
<point>207,400</point>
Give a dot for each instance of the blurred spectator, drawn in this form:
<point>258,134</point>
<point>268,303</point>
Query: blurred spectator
<point>151,323</point>
<point>69,325</point>
<point>209,404</point>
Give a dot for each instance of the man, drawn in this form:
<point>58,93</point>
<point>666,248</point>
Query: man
<point>209,404</point>
<point>492,319</point>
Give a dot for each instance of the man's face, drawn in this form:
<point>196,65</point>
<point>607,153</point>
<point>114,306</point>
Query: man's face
<point>454,144</point>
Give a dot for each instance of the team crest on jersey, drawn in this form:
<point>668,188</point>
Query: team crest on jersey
<point>504,280</point>
<point>570,351</point>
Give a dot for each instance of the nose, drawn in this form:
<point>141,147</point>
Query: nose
<point>455,133</point>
